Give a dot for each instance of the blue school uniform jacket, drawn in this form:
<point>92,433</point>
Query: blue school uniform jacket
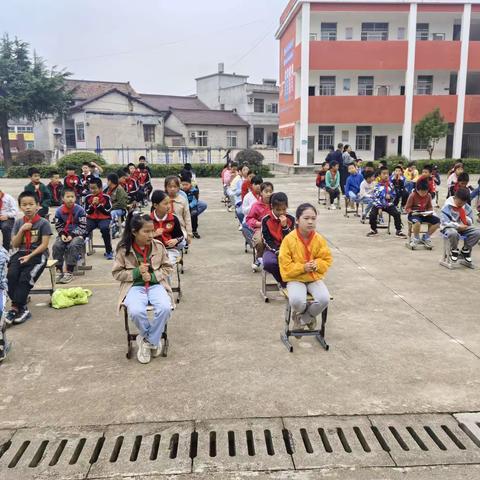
<point>78,227</point>
<point>380,192</point>
<point>353,184</point>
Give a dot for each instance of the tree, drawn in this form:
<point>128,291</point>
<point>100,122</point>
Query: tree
<point>27,88</point>
<point>430,129</point>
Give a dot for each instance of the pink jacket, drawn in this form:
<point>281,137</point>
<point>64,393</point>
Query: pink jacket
<point>257,212</point>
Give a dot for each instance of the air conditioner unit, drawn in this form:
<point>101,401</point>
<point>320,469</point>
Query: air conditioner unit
<point>57,131</point>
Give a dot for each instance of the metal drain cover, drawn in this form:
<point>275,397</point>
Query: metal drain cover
<point>266,444</point>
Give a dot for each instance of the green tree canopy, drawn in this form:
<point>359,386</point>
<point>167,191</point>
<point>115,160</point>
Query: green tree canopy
<point>430,129</point>
<point>28,89</point>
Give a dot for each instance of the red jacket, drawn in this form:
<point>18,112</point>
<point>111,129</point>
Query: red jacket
<point>257,212</point>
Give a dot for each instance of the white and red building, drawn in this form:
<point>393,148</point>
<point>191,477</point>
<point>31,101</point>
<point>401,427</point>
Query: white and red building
<point>365,72</point>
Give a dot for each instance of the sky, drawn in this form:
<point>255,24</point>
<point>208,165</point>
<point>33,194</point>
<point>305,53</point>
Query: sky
<point>160,46</point>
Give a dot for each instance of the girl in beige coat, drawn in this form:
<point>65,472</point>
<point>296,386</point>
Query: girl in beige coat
<point>142,267</point>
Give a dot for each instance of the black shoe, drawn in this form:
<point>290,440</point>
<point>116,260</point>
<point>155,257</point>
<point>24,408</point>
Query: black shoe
<point>467,254</point>
<point>372,233</point>
<point>11,316</point>
<point>22,316</point>
<point>400,234</point>
<point>454,255</point>
<point>196,235</point>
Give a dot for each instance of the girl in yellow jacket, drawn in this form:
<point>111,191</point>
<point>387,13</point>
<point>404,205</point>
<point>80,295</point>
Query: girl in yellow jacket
<point>304,260</point>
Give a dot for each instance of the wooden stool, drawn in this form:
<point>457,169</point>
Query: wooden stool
<point>322,201</point>
<point>179,269</point>
<point>410,233</point>
<point>347,211</point>
<point>318,334</point>
<point>445,261</point>
<point>51,266</point>
<point>268,286</point>
<point>81,266</point>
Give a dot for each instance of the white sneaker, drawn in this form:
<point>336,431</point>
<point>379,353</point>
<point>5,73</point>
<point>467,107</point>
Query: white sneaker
<point>58,277</point>
<point>144,353</point>
<point>256,267</point>
<point>312,325</point>
<point>333,207</point>
<point>67,278</point>
<point>156,350</point>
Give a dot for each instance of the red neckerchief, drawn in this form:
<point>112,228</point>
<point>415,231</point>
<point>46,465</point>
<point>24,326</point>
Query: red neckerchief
<point>463,214</point>
<point>38,192</point>
<point>306,244</point>
<point>54,187</point>
<point>69,212</point>
<point>28,233</point>
<point>71,181</point>
<point>172,210</point>
<point>111,190</point>
<point>386,184</point>
<point>167,224</point>
<point>275,228</point>
<point>144,253</point>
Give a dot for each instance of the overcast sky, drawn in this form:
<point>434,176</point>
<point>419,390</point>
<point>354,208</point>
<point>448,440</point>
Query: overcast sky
<point>160,46</point>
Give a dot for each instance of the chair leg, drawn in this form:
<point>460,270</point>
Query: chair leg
<point>285,336</point>
<point>127,330</point>
<point>321,334</point>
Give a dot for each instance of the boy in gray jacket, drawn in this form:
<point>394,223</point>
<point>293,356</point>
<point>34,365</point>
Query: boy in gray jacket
<point>457,221</point>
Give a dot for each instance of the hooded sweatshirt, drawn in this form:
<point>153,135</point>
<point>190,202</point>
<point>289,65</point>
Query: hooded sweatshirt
<point>353,184</point>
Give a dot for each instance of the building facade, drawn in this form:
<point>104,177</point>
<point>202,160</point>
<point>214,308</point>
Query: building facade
<point>365,72</point>
<point>256,103</point>
<point>21,136</point>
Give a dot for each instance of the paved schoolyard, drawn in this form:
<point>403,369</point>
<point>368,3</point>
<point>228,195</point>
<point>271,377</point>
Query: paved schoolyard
<point>404,336</point>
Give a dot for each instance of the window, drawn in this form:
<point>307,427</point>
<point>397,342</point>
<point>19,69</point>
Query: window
<point>424,84</point>
<point>346,84</point>
<point>313,37</point>
<point>70,138</point>
<point>420,145</point>
<point>438,36</point>
<point>422,31</point>
<point>23,129</point>
<point>285,145</point>
<point>259,105</point>
<point>325,137</point>
<point>328,31</point>
<point>258,136</point>
<point>177,142</point>
<point>365,86</point>
<point>364,138</point>
<point>11,129</point>
<point>345,136</point>
<point>80,131</point>
<point>374,31</point>
<point>149,133</point>
<point>231,138</point>
<point>272,108</point>
<point>311,91</point>
<point>222,106</point>
<point>327,86</point>
<point>202,137</point>
<point>349,33</point>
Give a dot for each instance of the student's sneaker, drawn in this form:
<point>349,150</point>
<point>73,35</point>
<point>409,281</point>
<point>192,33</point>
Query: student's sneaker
<point>415,242</point>
<point>67,278</point>
<point>372,233</point>
<point>240,228</point>
<point>467,254</point>
<point>156,350</point>
<point>144,352</point>
<point>312,325</point>
<point>427,241</point>
<point>230,209</point>
<point>332,207</point>
<point>4,349</point>
<point>22,316</point>
<point>454,253</point>
<point>257,266</point>
<point>297,324</point>
<point>196,235</point>
<point>381,221</point>
<point>10,316</point>
<point>400,234</point>
<point>58,277</point>
<point>108,256</point>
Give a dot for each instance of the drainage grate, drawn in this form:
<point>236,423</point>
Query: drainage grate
<point>239,445</point>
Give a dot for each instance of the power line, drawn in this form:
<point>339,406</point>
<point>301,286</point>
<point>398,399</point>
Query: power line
<point>252,48</point>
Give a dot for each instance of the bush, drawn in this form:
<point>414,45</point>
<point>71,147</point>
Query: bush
<point>29,157</point>
<point>472,165</point>
<point>158,171</point>
<point>76,159</point>
<point>250,156</point>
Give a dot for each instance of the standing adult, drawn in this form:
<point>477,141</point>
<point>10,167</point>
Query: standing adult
<point>347,160</point>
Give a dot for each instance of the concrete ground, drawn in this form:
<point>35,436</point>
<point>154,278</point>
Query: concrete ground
<point>404,336</point>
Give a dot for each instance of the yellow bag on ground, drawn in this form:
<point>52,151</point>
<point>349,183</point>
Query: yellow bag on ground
<point>68,297</point>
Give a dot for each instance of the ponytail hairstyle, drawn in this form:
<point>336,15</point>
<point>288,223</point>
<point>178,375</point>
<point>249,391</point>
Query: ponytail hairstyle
<point>301,208</point>
<point>157,197</point>
<point>134,222</point>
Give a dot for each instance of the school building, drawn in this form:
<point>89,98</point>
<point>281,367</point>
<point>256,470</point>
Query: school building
<point>365,72</point>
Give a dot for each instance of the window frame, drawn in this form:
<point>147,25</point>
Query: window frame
<point>232,138</point>
<point>422,34</point>
<point>365,89</point>
<point>417,145</point>
<point>256,102</point>
<point>374,31</point>
<point>326,89</point>
<point>363,139</point>
<point>326,137</point>
<point>79,127</point>
<point>328,34</point>
<point>148,133</point>
<point>424,88</point>
<point>202,138</point>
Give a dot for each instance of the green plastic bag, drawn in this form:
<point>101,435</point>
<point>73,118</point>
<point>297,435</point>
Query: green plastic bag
<point>68,297</point>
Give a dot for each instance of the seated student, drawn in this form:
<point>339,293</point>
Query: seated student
<point>129,184</point>
<point>167,225</point>
<point>383,198</point>
<point>226,176</point>
<point>43,193</point>
<point>275,227</point>
<point>144,183</point>
<point>31,235</point>
<point>420,201</point>
<point>197,207</point>
<point>365,196</point>
<point>462,182</point>
<point>56,189</point>
<point>252,196</point>
<point>71,225</point>
<point>119,198</point>
<point>411,176</point>
<point>231,187</point>
<point>98,207</point>
<point>4,344</point>
<point>179,206</point>
<point>252,227</point>
<point>246,185</point>
<point>320,180</point>
<point>8,213</point>
<point>369,167</point>
<point>85,178</point>
<point>453,177</point>
<point>332,183</point>
<point>95,169</point>
<point>354,180</point>
<point>143,161</point>
<point>381,164</point>
<point>457,220</point>
<point>142,266</point>
<point>238,198</point>
<point>399,185</point>
<point>72,181</point>
<point>304,260</point>
<point>427,173</point>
